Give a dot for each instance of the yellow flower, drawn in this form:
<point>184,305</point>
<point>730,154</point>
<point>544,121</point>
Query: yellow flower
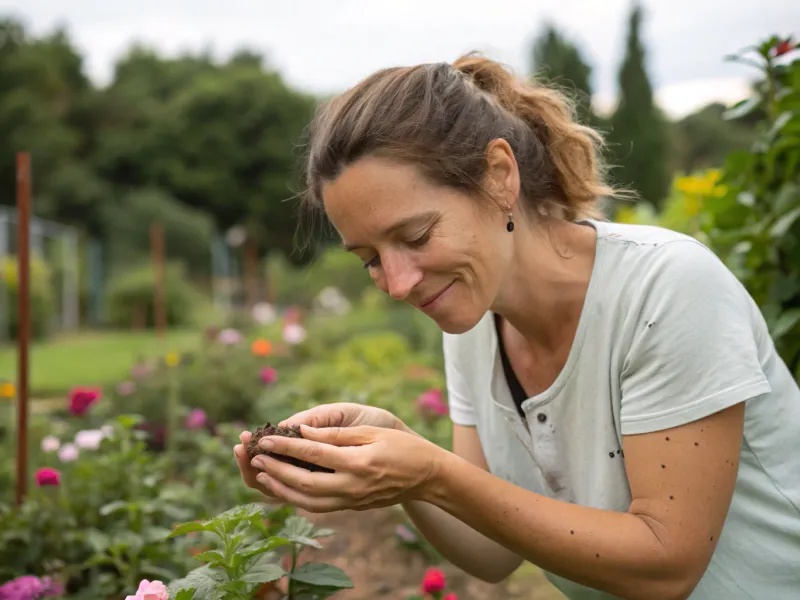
<point>7,390</point>
<point>172,359</point>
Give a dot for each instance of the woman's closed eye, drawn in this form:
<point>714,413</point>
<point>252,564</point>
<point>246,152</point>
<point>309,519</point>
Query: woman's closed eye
<point>417,242</point>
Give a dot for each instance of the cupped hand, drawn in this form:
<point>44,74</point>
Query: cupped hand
<point>373,467</point>
<point>344,414</point>
<point>248,472</point>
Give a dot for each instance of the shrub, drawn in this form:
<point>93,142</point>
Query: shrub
<point>42,301</point>
<point>131,298</point>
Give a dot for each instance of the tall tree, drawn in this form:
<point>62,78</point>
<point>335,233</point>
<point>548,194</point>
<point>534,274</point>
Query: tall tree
<point>558,61</point>
<point>638,136</point>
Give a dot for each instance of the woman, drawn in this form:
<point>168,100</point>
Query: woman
<point>620,416</point>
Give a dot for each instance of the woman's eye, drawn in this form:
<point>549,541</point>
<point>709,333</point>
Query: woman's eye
<point>420,241</point>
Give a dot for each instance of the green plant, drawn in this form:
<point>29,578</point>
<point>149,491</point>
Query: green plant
<point>755,226</point>
<point>41,296</point>
<point>131,298</point>
<point>249,555</point>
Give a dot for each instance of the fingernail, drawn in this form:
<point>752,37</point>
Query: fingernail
<point>266,444</point>
<point>257,463</point>
<point>262,479</point>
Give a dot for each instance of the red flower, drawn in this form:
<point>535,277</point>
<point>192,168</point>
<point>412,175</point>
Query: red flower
<point>82,398</point>
<point>433,582</point>
<point>784,47</point>
<point>450,596</point>
<point>47,476</point>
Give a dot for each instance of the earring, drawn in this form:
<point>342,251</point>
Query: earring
<point>510,224</point>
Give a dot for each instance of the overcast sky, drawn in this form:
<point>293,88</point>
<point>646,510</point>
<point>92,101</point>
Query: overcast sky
<point>327,45</point>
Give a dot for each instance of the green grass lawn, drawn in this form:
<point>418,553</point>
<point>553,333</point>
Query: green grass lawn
<point>90,358</point>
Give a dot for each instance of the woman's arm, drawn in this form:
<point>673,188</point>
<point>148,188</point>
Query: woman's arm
<point>681,480</point>
<point>460,544</point>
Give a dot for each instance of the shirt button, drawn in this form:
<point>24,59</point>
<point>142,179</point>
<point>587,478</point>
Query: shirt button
<point>541,417</point>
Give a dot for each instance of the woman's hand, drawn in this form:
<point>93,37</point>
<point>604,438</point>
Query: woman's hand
<point>374,467</point>
<point>337,414</point>
<point>344,414</point>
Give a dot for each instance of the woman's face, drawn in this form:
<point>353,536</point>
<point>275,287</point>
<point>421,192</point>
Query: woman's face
<point>431,246</point>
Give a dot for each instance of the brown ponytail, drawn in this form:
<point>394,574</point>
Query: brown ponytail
<point>442,117</point>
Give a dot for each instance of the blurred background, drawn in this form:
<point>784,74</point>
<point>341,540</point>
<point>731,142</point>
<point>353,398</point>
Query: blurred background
<point>186,117</point>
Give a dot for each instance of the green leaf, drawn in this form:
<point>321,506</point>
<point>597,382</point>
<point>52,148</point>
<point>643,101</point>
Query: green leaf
<point>321,574</point>
<point>263,573</point>
<point>782,225</point>
<point>191,527</point>
<point>785,323</point>
<point>742,108</point>
<point>129,421</point>
<point>262,546</point>
<point>214,557</point>
<point>185,594</point>
<point>112,507</point>
<point>323,532</point>
<point>787,198</point>
<point>204,580</point>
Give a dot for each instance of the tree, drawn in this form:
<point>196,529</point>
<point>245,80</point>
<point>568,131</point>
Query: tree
<point>558,62</point>
<point>638,131</point>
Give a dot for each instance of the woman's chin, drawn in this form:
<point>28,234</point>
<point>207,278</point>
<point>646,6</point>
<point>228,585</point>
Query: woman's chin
<point>457,321</point>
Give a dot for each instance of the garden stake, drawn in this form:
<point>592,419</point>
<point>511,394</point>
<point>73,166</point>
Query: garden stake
<point>23,331</point>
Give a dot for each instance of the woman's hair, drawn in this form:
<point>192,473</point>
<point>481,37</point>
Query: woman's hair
<point>441,118</point>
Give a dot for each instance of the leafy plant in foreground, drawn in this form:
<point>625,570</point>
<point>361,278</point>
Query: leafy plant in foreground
<point>249,555</point>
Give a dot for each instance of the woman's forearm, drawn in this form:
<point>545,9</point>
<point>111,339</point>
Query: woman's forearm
<point>617,553</point>
<point>461,545</point>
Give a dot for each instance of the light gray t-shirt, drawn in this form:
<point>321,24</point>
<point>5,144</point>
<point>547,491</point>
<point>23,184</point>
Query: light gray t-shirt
<point>667,336</point>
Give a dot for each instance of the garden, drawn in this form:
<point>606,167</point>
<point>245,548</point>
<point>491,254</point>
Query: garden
<point>133,489</point>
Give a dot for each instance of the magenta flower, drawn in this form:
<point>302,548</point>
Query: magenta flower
<point>196,419</point>
<point>268,375</point>
<point>82,398</point>
<point>29,587</point>
<point>47,476</point>
<point>432,403</point>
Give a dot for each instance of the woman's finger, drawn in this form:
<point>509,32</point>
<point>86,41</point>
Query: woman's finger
<point>310,483</point>
<point>316,453</point>
<point>313,504</point>
<point>246,470</point>
<point>318,416</point>
<point>359,435</point>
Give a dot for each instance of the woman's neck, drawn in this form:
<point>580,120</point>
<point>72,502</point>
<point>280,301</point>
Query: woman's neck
<point>544,293</point>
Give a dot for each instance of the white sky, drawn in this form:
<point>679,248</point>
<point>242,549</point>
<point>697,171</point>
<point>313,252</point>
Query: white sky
<point>325,46</point>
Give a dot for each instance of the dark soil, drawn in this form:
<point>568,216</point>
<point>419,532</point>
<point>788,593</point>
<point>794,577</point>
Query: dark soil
<point>293,432</point>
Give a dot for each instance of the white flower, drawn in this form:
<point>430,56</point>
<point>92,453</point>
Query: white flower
<point>108,431</point>
<point>68,452</point>
<point>294,333</point>
<point>50,444</point>
<point>264,313</point>
<point>89,439</point>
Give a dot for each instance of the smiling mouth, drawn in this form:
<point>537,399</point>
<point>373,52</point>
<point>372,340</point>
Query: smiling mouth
<point>431,300</point>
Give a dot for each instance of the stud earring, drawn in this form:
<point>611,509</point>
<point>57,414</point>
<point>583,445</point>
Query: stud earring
<point>510,224</point>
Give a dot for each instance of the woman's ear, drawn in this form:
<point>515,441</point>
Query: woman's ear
<point>502,174</point>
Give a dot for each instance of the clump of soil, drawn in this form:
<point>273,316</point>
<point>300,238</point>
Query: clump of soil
<point>254,450</point>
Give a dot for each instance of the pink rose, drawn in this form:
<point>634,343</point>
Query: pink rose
<point>434,581</point>
<point>150,590</point>
<point>82,398</point>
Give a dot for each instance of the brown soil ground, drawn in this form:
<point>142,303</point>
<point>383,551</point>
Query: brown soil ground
<point>366,548</point>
